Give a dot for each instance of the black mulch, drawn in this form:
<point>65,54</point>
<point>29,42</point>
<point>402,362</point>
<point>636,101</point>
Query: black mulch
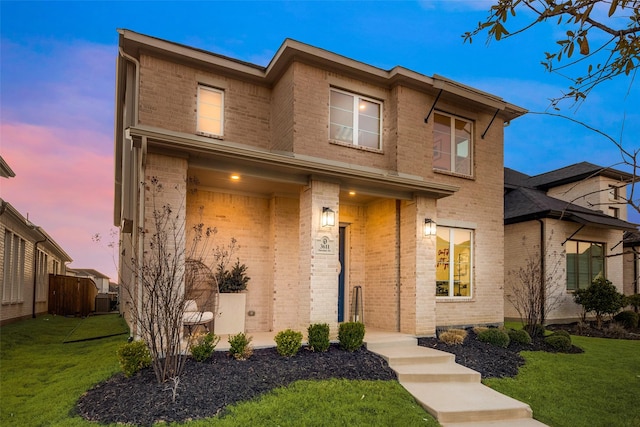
<point>205,389</point>
<point>489,360</point>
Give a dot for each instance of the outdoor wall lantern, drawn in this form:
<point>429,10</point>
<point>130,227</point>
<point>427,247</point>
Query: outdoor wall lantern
<point>328,217</point>
<point>429,227</point>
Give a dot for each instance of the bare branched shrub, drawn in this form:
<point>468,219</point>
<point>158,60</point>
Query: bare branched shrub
<point>174,266</point>
<point>534,288</point>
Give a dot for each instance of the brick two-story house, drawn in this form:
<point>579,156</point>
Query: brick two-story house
<point>570,223</point>
<point>409,167</point>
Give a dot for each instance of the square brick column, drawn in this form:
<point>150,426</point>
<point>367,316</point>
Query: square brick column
<point>318,259</point>
<point>417,268</point>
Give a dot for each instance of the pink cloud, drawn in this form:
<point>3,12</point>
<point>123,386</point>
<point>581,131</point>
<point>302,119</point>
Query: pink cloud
<point>64,183</point>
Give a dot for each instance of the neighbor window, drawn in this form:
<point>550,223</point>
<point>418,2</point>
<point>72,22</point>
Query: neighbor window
<point>614,192</point>
<point>452,145</point>
<point>614,212</point>
<point>210,111</point>
<point>453,262</point>
<point>13,278</point>
<point>585,262</point>
<point>354,119</point>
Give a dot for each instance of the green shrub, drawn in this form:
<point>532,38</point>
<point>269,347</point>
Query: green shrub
<point>536,330</point>
<point>240,346</point>
<point>453,336</point>
<point>479,329</point>
<point>133,356</point>
<point>627,318</point>
<point>318,336</point>
<point>203,346</point>
<point>562,332</point>
<point>519,336</point>
<point>634,301</point>
<point>559,342</point>
<point>351,335</point>
<point>288,342</point>
<point>495,336</point>
<point>616,330</point>
<point>601,297</point>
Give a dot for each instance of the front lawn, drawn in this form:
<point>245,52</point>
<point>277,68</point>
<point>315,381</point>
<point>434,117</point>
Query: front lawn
<point>597,388</point>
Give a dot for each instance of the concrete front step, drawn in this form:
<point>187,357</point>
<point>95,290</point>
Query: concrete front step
<point>381,340</point>
<point>436,372</point>
<point>522,422</point>
<point>403,354</point>
<point>466,402</point>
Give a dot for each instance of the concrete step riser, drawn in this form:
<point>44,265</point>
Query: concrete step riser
<point>438,378</point>
<point>391,344</point>
<point>416,360</point>
<point>481,416</point>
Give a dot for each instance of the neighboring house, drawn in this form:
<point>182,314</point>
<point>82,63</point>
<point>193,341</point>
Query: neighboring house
<point>101,281</point>
<point>27,256</point>
<point>389,156</point>
<point>577,217</point>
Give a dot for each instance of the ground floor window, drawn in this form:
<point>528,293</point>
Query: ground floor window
<point>13,278</point>
<point>453,262</point>
<point>585,262</point>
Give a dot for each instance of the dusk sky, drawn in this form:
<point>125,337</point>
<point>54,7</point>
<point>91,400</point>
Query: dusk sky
<point>57,88</point>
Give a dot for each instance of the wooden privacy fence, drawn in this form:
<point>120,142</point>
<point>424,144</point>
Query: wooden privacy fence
<point>71,296</point>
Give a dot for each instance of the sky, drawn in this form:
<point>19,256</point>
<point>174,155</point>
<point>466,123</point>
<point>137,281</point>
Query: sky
<point>57,88</point>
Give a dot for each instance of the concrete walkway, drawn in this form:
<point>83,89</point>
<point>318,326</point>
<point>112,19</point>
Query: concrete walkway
<point>450,392</point>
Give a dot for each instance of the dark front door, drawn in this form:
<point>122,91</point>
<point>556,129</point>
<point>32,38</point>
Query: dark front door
<point>341,275</point>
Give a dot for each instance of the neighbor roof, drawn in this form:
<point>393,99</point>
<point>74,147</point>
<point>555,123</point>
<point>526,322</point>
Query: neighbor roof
<point>574,173</point>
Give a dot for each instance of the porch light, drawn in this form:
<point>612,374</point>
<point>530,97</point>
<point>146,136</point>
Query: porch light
<point>328,217</point>
<point>429,227</point>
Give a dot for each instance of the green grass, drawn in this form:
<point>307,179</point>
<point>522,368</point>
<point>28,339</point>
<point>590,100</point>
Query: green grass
<point>329,403</point>
<point>41,378</point>
<point>96,327</point>
<point>596,388</point>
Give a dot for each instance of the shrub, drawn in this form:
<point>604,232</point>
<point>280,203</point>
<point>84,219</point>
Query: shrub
<point>453,336</point>
<point>558,341</point>
<point>495,336</point>
<point>288,342</point>
<point>134,356</point>
<point>480,329</point>
<point>536,330</point>
<point>627,318</point>
<point>240,346</point>
<point>232,281</point>
<point>318,337</point>
<point>601,297</point>
<point>519,336</point>
<point>634,301</point>
<point>351,335</point>
<point>203,346</point>
<point>562,332</point>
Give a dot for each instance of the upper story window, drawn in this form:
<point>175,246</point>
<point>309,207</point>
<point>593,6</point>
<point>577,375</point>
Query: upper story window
<point>210,111</point>
<point>614,212</point>
<point>452,144</point>
<point>585,262</point>
<point>354,119</point>
<point>453,262</point>
<point>614,192</point>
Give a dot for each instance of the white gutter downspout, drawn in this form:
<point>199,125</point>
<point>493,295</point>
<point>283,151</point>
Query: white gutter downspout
<point>138,162</point>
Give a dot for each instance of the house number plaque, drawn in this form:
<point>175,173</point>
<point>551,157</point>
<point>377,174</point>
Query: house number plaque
<point>325,245</point>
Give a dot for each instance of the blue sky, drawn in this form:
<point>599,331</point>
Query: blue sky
<point>57,87</point>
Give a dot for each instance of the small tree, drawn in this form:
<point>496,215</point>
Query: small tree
<point>601,297</point>
<point>534,291</point>
<point>167,273</point>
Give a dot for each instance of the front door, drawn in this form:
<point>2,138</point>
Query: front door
<point>341,251</point>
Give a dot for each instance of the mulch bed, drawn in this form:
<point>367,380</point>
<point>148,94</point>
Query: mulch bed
<point>205,389</point>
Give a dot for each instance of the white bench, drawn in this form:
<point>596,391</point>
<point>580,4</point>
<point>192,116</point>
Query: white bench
<point>192,317</point>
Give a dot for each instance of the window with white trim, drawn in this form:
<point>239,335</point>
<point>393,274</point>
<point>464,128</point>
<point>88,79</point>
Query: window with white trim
<point>210,119</point>
<point>454,262</point>
<point>585,262</point>
<point>42,275</point>
<point>354,119</point>
<point>452,144</point>
<point>13,277</point>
